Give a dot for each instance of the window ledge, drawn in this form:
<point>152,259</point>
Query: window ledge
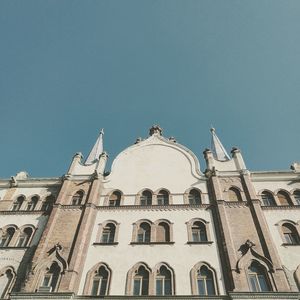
<point>12,247</point>
<point>152,243</point>
<point>106,244</point>
<point>200,243</point>
<point>287,244</point>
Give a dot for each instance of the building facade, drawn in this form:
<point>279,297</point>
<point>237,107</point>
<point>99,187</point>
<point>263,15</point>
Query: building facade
<point>155,226</point>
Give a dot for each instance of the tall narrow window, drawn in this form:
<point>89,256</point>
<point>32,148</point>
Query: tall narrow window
<point>205,281</point>
<point>47,204</point>
<point>6,283</point>
<point>290,234</point>
<point>146,198</point>
<point>25,237</point>
<point>115,199</point>
<point>162,232</point>
<point>51,277</point>
<point>18,203</point>
<point>194,197</point>
<point>77,198</point>
<point>32,203</point>
<point>7,237</point>
<point>141,282</point>
<point>144,233</point>
<point>234,194</point>
<point>199,232</point>
<point>100,282</point>
<point>297,197</point>
<point>284,198</point>
<point>163,282</point>
<point>258,278</point>
<point>163,198</point>
<point>108,233</point>
<point>267,199</point>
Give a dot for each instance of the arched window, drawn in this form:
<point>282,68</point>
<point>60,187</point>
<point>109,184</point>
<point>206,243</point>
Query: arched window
<point>194,197</point>
<point>267,199</point>
<point>18,203</point>
<point>258,278</point>
<point>100,282</point>
<point>7,237</point>
<point>163,198</point>
<point>6,279</point>
<point>205,281</point>
<point>234,194</point>
<point>163,282</point>
<point>146,198</point>
<point>162,232</point>
<point>51,278</point>
<point>141,282</point>
<point>144,233</point>
<point>25,237</point>
<point>108,233</point>
<point>77,198</point>
<point>32,203</point>
<point>297,197</point>
<point>115,199</point>
<point>48,203</point>
<point>199,232</point>
<point>284,198</point>
<point>290,234</point>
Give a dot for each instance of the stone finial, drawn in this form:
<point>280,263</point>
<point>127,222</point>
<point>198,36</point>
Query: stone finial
<point>155,129</point>
<point>22,175</point>
<point>249,244</point>
<point>172,139</point>
<point>295,167</point>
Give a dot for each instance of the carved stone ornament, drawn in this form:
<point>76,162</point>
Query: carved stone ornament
<point>155,129</point>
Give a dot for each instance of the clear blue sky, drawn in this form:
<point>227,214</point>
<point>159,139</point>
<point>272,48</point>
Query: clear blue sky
<point>69,68</point>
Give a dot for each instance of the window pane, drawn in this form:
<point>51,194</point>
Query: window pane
<point>263,283</point>
<point>253,283</point>
<point>95,286</point>
<point>201,287</point>
<point>210,286</point>
<point>145,286</point>
<point>168,290</point>
<point>195,235</point>
<point>140,238</point>
<point>136,287</point>
<point>159,286</point>
<point>103,287</point>
<point>46,281</point>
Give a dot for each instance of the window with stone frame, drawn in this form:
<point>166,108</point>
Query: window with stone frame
<point>290,234</point>
<point>162,232</point>
<point>199,232</point>
<point>146,198</point>
<point>6,282</point>
<point>297,197</point>
<point>205,281</point>
<point>115,199</point>
<point>284,198</point>
<point>194,197</point>
<point>6,237</point>
<point>267,199</point>
<point>18,203</point>
<point>77,198</point>
<point>48,203</point>
<point>258,278</point>
<point>163,198</point>
<point>51,278</point>
<point>32,203</point>
<point>108,233</point>
<point>100,282</point>
<point>144,233</point>
<point>24,237</point>
<point>141,282</point>
<point>234,194</point>
<point>164,281</point>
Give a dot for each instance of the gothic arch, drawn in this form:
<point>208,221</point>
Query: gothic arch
<point>7,285</point>
<point>297,277</point>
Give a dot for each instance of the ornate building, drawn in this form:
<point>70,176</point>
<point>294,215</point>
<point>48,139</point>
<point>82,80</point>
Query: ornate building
<point>154,226</point>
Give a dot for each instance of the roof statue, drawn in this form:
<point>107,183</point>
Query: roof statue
<point>218,149</point>
<point>96,150</point>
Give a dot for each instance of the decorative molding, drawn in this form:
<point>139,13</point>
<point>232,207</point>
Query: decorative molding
<point>157,207</point>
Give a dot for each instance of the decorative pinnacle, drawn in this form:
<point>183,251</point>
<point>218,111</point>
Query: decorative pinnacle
<point>155,129</point>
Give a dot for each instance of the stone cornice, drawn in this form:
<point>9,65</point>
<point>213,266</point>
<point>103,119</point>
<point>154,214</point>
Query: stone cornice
<point>33,182</point>
<point>22,212</point>
<point>157,207</point>
<point>265,295</point>
<point>281,207</point>
<point>275,176</point>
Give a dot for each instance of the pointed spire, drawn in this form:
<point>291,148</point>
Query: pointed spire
<point>96,151</point>
<point>218,149</point>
